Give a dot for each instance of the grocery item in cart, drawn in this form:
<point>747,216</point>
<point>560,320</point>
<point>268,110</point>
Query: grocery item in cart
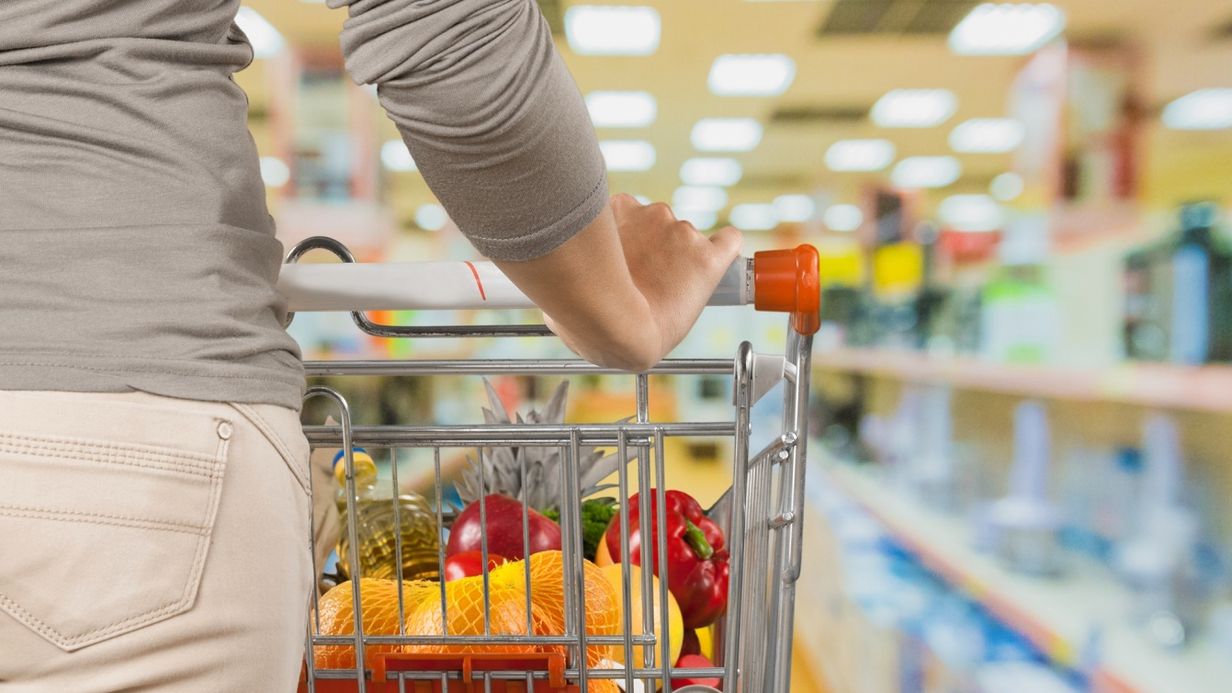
<point>497,521</point>
<point>697,561</point>
<point>532,474</point>
<point>547,574</point>
<point>379,520</point>
<point>675,633</point>
<point>464,614</point>
<point>378,601</point>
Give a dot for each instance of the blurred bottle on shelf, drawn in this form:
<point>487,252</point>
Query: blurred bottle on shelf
<point>1178,303</point>
<point>1023,527</point>
<point>380,520</point>
<point>1157,560</point>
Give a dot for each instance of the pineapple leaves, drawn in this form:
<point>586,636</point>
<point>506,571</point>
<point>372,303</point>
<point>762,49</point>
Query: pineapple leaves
<point>533,474</point>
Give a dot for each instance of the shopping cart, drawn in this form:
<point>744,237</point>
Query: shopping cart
<point>761,513</point>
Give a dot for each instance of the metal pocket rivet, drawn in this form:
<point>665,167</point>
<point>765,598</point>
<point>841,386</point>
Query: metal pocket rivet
<point>224,430</point>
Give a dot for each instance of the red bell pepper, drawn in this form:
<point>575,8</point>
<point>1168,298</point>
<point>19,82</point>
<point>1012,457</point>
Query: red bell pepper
<point>697,560</point>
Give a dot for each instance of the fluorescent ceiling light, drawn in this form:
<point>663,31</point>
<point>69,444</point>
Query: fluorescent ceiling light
<point>701,219</point>
<point>859,155</point>
<point>754,217</point>
<point>970,213</point>
<point>752,74</point>
<point>627,155</point>
<point>843,218</point>
<point>265,39</point>
<point>794,207</point>
<point>621,109</point>
<point>699,197</point>
<point>1006,29</point>
<point>396,157</point>
<point>726,134</point>
<point>1006,186</point>
<point>987,136</point>
<point>926,172</point>
<point>431,217</point>
<point>1205,109</point>
<point>710,171</point>
<point>612,29</point>
<point>914,108</point>
<point>274,172</point>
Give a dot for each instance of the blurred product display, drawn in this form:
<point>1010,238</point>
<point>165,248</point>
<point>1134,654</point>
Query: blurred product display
<point>1022,384</point>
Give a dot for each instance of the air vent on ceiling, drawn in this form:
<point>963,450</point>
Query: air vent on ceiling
<point>816,115</point>
<point>554,12</point>
<point>894,17</point>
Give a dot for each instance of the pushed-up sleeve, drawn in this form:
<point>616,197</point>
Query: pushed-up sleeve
<point>489,112</point>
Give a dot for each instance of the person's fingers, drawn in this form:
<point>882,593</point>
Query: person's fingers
<point>727,241</point>
<point>622,204</point>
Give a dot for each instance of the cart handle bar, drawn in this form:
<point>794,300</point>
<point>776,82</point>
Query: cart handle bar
<point>775,280</point>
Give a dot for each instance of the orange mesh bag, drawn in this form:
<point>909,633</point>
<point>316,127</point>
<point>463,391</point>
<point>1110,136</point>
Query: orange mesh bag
<point>464,606</point>
<point>548,599</point>
<point>378,600</point>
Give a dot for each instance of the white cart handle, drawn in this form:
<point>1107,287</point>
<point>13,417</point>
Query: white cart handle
<point>779,280</point>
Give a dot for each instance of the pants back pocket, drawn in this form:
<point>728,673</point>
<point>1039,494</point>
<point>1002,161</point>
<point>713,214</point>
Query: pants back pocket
<point>106,511</point>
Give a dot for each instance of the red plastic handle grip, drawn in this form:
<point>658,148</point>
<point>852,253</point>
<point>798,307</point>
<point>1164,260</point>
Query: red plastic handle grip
<point>787,281</point>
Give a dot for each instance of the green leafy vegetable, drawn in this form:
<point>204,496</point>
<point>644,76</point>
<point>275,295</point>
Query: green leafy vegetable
<point>597,514</point>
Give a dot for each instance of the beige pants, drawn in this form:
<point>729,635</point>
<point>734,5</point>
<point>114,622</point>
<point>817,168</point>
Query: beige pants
<point>150,543</point>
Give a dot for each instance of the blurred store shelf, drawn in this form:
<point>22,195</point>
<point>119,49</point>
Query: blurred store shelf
<point>1197,388</point>
<point>1069,619</point>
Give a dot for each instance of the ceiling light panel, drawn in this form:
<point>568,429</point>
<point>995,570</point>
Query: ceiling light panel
<point>396,157</point>
<point>1006,29</point>
<point>431,217</point>
<point>266,40</point>
<point>972,213</point>
<point>699,197</point>
<point>701,219</point>
<point>751,74</point>
<point>987,136</point>
<point>1006,186</point>
<point>795,208</point>
<point>926,172</point>
<point>621,109</point>
<point>612,29</point>
<point>914,108</point>
<point>711,171</point>
<point>754,217</point>
<point>726,134</point>
<point>1205,109</point>
<point>860,155</point>
<point>843,218</point>
<point>628,155</point>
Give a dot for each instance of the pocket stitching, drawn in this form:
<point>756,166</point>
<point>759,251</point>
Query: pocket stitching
<point>187,595</point>
<point>100,519</point>
<point>272,436</point>
<point>114,454</point>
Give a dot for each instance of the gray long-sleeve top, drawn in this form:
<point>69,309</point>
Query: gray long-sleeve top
<point>136,251</point>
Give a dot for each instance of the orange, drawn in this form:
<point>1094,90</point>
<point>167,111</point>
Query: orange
<point>548,598</point>
<point>465,616</point>
<point>378,601</point>
<point>675,633</point>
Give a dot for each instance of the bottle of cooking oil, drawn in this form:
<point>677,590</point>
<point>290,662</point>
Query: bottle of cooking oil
<point>376,526</point>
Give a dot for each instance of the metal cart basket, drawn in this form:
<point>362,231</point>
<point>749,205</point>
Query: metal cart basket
<point>760,514</point>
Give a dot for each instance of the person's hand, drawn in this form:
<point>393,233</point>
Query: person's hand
<point>673,265</point>
<point>625,290</point>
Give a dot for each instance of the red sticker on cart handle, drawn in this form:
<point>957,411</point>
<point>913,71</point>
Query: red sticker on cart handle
<point>478,282</point>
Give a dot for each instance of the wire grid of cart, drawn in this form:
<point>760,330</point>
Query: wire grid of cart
<point>760,514</point>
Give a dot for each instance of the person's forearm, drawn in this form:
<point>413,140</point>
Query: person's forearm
<point>585,289</point>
